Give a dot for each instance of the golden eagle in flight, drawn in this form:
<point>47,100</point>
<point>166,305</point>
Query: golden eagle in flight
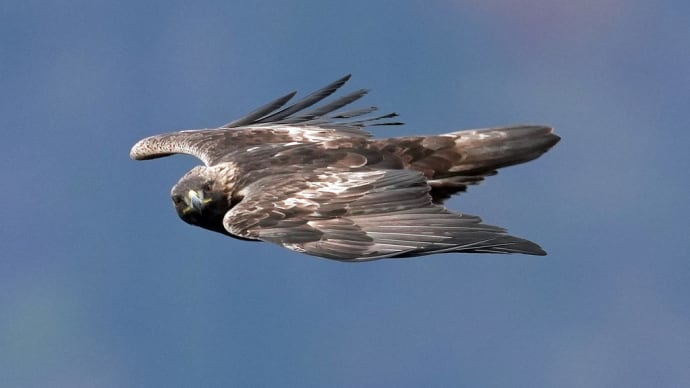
<point>314,181</point>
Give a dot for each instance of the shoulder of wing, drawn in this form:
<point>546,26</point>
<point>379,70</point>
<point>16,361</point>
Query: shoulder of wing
<point>271,123</point>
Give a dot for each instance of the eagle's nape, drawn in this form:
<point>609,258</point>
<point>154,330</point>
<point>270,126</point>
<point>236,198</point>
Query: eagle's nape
<point>313,180</point>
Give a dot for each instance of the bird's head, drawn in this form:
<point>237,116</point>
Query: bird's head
<point>200,199</point>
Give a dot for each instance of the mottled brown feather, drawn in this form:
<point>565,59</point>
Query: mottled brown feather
<point>314,180</point>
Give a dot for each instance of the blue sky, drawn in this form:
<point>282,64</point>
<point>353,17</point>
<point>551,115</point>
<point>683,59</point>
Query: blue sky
<point>102,285</point>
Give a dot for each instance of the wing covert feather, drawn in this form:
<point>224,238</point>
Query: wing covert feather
<point>355,216</point>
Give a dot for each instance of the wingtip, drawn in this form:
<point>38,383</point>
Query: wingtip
<point>539,252</point>
<point>549,132</point>
<point>556,138</point>
<point>530,248</point>
<point>134,152</point>
<point>512,244</point>
<point>152,147</point>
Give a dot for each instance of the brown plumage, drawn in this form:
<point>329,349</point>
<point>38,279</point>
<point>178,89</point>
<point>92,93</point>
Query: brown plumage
<point>314,181</point>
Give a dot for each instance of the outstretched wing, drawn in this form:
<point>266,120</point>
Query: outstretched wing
<point>453,161</point>
<point>269,124</point>
<point>355,216</point>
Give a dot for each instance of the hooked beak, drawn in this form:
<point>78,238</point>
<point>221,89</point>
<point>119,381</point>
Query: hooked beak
<point>195,201</point>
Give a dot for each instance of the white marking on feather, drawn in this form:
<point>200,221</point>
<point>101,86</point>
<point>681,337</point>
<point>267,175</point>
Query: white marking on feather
<point>295,247</point>
<point>476,135</point>
<point>310,134</point>
<point>314,134</point>
<point>295,202</point>
<point>341,185</point>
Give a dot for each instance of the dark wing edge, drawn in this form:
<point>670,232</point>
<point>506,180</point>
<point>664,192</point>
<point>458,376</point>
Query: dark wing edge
<point>324,115</point>
<point>275,126</point>
<point>362,216</point>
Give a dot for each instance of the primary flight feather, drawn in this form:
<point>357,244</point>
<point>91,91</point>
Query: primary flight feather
<point>314,181</point>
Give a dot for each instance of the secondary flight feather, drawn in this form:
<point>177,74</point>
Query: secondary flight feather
<point>313,180</point>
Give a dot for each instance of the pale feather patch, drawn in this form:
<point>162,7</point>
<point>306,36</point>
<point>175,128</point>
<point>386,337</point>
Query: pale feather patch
<point>475,135</point>
<point>298,202</point>
<point>316,134</point>
<point>338,184</point>
<point>162,144</point>
<point>295,247</point>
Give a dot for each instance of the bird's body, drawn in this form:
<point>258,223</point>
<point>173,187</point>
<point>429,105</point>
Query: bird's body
<point>315,182</point>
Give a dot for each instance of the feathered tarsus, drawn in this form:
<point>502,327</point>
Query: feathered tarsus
<point>313,180</point>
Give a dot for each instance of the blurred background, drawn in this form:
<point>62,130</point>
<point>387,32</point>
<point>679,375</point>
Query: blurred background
<point>102,285</point>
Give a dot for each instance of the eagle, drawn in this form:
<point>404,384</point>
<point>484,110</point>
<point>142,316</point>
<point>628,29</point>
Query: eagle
<point>309,176</point>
